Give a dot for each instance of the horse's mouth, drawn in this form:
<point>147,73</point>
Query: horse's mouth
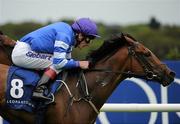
<point>167,80</point>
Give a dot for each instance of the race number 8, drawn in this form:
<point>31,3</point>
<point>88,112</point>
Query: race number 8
<point>16,88</point>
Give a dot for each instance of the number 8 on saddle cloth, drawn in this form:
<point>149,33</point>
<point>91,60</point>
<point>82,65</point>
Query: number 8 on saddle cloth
<point>20,85</point>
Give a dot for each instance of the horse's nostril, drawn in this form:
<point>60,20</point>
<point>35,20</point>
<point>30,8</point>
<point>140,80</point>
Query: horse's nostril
<point>173,74</point>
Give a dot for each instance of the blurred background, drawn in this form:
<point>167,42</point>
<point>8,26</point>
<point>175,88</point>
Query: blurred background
<point>155,23</point>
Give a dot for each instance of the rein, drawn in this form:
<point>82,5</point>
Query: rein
<point>127,74</point>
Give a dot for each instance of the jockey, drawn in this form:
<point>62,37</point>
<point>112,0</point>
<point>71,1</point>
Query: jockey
<point>50,48</point>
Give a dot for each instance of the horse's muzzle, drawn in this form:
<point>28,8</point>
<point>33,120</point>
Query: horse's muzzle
<point>168,78</point>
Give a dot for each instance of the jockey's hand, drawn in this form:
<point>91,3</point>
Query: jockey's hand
<point>84,64</point>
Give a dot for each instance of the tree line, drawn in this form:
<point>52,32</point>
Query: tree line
<point>163,40</point>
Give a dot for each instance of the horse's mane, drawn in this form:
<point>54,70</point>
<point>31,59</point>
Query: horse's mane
<point>109,46</point>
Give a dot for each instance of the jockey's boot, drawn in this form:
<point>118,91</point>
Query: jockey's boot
<point>41,91</point>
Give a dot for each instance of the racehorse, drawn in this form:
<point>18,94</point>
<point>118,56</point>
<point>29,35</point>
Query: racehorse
<point>118,58</point>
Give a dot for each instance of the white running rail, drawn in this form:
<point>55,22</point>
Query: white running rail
<point>116,107</point>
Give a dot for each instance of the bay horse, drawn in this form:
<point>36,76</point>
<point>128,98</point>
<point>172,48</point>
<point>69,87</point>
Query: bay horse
<point>118,58</point>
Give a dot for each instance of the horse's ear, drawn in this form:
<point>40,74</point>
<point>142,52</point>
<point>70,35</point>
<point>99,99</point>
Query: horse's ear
<point>129,39</point>
<point>130,36</point>
<point>114,37</point>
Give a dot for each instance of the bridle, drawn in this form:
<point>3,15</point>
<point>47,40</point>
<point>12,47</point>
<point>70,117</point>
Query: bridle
<point>148,74</point>
<point>142,58</point>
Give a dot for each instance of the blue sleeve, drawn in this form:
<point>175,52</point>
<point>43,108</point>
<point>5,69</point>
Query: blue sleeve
<point>61,49</point>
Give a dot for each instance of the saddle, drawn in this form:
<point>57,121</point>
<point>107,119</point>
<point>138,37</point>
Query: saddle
<point>21,83</point>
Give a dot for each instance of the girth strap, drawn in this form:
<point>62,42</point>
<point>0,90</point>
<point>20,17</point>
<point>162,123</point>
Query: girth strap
<point>84,88</point>
<point>83,84</point>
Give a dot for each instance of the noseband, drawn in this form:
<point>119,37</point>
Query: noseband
<point>143,60</point>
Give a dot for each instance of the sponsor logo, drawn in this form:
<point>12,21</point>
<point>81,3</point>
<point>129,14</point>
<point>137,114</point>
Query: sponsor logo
<point>38,55</point>
<point>25,102</point>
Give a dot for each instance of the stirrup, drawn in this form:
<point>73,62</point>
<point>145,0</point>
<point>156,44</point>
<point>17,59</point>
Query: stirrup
<point>39,96</point>
<point>52,101</point>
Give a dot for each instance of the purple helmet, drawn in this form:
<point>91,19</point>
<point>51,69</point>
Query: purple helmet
<point>85,26</point>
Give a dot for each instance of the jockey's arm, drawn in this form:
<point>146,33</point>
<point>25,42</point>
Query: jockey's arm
<point>61,56</point>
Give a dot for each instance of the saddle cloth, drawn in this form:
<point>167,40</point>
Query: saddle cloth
<point>20,85</point>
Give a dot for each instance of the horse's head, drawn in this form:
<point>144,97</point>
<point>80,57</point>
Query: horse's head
<point>124,54</point>
<point>143,63</point>
<point>6,46</point>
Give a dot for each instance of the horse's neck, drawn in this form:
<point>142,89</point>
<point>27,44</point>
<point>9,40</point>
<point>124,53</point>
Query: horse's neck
<point>104,88</point>
<point>103,84</point>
